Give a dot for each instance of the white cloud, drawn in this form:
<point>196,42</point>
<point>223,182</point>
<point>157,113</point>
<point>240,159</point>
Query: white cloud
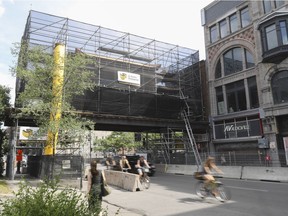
<point>6,79</point>
<point>2,9</point>
<point>176,22</point>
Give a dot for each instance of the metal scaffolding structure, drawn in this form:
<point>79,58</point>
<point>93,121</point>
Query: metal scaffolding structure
<point>164,69</point>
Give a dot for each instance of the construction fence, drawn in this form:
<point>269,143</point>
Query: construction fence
<point>232,158</point>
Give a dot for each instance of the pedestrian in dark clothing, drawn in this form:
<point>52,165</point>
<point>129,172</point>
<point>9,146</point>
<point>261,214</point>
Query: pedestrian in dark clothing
<point>95,188</point>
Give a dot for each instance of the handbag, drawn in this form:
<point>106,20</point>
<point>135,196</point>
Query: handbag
<point>105,189</point>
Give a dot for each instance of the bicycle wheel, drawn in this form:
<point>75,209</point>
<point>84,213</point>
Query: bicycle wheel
<point>146,182</point>
<point>200,189</point>
<point>224,193</point>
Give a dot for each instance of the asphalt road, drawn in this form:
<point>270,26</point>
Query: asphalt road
<point>171,195</point>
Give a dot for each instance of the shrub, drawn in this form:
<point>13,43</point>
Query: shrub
<point>47,199</point>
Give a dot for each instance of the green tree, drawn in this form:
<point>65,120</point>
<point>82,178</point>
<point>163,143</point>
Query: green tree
<point>34,71</point>
<point>119,142</point>
<point>4,101</point>
<point>4,104</point>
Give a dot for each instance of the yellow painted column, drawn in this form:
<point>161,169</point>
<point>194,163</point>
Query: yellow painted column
<point>56,111</point>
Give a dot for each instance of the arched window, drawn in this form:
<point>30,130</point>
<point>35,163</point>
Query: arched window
<point>234,60</point>
<point>218,72</point>
<point>249,60</point>
<point>279,87</point>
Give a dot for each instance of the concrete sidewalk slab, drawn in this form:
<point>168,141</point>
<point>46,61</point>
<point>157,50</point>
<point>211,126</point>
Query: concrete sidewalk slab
<point>109,203</point>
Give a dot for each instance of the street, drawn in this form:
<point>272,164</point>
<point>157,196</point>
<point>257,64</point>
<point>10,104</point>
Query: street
<point>173,195</point>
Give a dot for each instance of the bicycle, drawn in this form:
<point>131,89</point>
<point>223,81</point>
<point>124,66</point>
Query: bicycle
<point>144,178</point>
<point>125,170</point>
<point>216,186</point>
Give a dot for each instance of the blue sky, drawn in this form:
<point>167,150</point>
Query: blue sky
<point>173,21</point>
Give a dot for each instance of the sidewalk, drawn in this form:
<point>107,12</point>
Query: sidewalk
<point>114,207</point>
<point>110,203</point>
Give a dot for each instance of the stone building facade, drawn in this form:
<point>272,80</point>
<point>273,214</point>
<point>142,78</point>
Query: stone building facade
<point>247,74</point>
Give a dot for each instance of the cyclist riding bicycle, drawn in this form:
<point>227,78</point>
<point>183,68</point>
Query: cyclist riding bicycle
<point>141,163</point>
<point>110,163</point>
<point>124,164</point>
<point>208,166</point>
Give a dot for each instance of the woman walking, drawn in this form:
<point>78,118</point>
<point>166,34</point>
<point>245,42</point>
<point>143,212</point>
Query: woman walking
<point>95,188</point>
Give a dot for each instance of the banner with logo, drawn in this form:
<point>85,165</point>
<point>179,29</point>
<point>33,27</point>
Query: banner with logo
<point>129,78</point>
<point>29,133</point>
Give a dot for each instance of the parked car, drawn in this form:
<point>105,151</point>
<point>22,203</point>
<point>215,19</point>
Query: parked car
<point>133,161</point>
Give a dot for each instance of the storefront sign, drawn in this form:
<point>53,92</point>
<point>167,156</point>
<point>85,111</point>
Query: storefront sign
<point>129,78</point>
<point>235,128</point>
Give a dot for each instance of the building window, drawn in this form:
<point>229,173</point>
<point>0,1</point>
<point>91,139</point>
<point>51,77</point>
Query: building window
<point>245,17</point>
<point>223,31</point>
<point>254,127</point>
<point>253,93</point>
<point>279,3</point>
<point>280,87</point>
<point>267,6</point>
<point>220,100</point>
<point>233,61</point>
<point>241,127</point>
<point>228,63</point>
<point>223,28</point>
<point>236,98</point>
<point>283,30</point>
<point>238,127</point>
<point>249,60</point>
<point>271,36</point>
<point>274,35</point>
<point>213,34</point>
<point>218,72</point>
<point>233,23</point>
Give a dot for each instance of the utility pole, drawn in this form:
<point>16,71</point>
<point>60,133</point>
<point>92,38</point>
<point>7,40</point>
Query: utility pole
<point>12,151</point>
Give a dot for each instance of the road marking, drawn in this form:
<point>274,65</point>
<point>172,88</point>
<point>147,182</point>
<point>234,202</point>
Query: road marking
<point>251,189</point>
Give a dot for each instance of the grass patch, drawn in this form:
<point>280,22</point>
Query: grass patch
<point>4,188</point>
